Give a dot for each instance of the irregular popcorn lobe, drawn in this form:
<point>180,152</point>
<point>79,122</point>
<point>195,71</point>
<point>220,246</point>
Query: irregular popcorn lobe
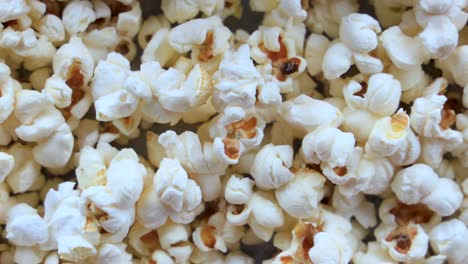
<point>207,236</point>
<point>242,129</point>
<point>287,260</point>
<point>403,236</point>
<point>206,49</point>
<point>416,213</point>
<point>117,7</point>
<point>13,24</point>
<point>399,123</point>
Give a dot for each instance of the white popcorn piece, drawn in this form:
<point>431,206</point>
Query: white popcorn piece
<point>210,40</point>
<point>143,240</point>
<point>431,120</point>
<point>405,52</point>
<point>159,49</point>
<point>55,151</point>
<point>26,171</point>
<point>356,206</point>
<point>174,239</point>
<point>29,255</point>
<point>375,253</point>
<point>308,114</point>
<point>129,20</point>
<point>452,65</point>
<point>181,11</point>
<point>446,198</point>
<point>329,145</point>
<point>406,243</point>
<point>92,169</point>
<point>325,15</point>
<point>178,93</point>
<point>172,195</point>
<point>381,96</point>
<point>236,80</point>
<point>150,26</point>
<point>238,190</point>
<point>387,138</point>
<point>25,227</point>
<point>448,238</point>
<point>439,18</point>
<point>301,195</point>
<point>314,52</point>
<point>286,12</point>
<point>261,213</point>
<point>263,5</point>
<point>414,183</point>
<point>7,163</point>
<point>77,16</point>
<point>358,37</point>
<point>52,27</point>
<point>113,253</point>
<point>271,166</point>
<point>319,241</point>
<point>154,149</point>
<point>13,10</point>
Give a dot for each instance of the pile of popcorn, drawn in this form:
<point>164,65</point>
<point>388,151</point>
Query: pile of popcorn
<point>333,135</point>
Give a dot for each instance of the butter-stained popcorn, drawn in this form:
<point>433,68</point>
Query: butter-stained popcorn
<point>432,121</point>
<point>207,45</point>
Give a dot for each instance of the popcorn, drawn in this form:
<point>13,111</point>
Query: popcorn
<point>7,162</point>
<point>236,81</point>
<point>26,171</point>
<point>371,97</point>
<point>432,121</point>
<point>325,16</point>
<point>329,145</point>
<point>308,114</point>
<point>406,243</point>
<point>77,16</point>
<point>159,49</point>
<point>181,11</point>
<point>25,227</point>
<point>150,26</point>
<point>209,235</point>
<point>172,195</point>
<point>438,19</point>
<point>238,190</point>
<point>419,183</point>
<point>314,52</point>
<point>284,13</point>
<point>300,196</point>
<point>358,37</point>
<point>448,238</point>
<point>129,20</point>
<point>52,27</point>
<point>356,206</point>
<point>405,52</point>
<point>207,45</point>
<point>271,166</point>
<point>261,213</point>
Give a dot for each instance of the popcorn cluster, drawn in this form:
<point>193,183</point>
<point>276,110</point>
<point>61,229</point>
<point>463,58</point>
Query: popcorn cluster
<point>329,135</point>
